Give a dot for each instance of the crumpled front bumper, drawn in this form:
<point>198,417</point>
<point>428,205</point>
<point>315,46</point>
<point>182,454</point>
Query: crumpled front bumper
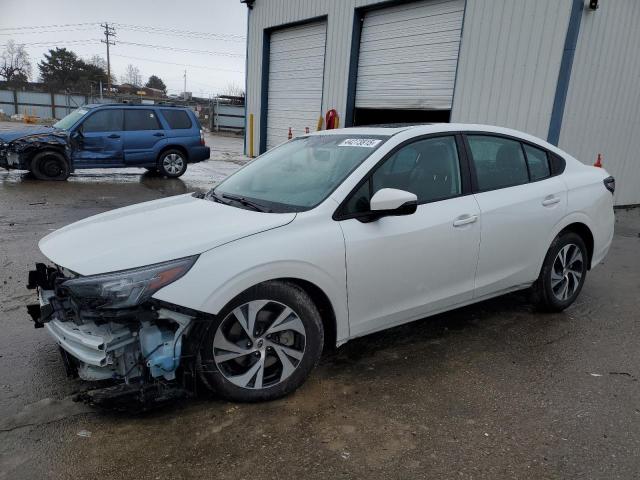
<point>103,348</point>
<point>10,159</point>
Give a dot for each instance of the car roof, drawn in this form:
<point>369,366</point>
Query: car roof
<point>426,129</point>
<point>133,105</point>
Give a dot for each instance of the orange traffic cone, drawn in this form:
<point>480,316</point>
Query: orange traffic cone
<point>290,136</point>
<point>598,161</point>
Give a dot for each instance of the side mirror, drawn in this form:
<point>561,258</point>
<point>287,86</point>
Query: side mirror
<point>391,201</point>
<point>77,134</point>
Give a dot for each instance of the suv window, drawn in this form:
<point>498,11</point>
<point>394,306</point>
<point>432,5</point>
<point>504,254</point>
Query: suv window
<point>429,168</point>
<point>138,119</point>
<point>499,162</point>
<point>108,120</point>
<point>177,119</point>
<point>538,162</point>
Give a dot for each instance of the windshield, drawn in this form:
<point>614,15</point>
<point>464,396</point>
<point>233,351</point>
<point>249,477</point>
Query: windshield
<point>70,120</point>
<point>297,175</point>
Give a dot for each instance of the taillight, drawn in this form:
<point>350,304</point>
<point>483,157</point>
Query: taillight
<point>201,137</point>
<point>610,184</point>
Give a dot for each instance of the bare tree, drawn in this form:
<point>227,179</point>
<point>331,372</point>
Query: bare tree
<point>132,76</point>
<point>232,89</point>
<point>15,65</point>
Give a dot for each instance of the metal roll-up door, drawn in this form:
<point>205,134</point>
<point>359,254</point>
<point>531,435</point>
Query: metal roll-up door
<point>408,55</point>
<point>296,71</point>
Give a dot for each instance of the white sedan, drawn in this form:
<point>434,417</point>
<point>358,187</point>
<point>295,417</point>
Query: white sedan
<point>328,237</point>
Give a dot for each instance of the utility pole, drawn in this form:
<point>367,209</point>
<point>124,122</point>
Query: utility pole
<point>184,92</point>
<point>108,32</point>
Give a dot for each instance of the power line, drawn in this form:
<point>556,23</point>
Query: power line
<point>178,64</point>
<point>186,50</point>
<point>35,27</point>
<point>58,42</point>
<point>28,32</point>
<point>183,33</point>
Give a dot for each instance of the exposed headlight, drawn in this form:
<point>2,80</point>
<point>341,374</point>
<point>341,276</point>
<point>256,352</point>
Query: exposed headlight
<point>127,288</point>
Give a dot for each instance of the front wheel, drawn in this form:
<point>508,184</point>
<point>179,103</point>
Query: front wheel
<point>563,273</point>
<point>264,344</point>
<point>172,163</point>
<point>50,165</point>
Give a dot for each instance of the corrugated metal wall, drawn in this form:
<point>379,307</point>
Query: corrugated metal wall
<point>509,63</point>
<point>271,13</point>
<point>602,112</point>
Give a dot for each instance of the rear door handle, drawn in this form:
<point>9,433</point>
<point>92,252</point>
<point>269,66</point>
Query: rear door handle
<point>113,135</point>
<point>158,134</point>
<point>464,220</point>
<point>550,200</point>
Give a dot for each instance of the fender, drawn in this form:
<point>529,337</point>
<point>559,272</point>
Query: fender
<point>298,270</point>
<point>573,217</point>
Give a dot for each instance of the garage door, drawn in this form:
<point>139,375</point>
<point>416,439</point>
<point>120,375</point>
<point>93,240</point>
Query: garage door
<point>296,70</point>
<point>408,55</point>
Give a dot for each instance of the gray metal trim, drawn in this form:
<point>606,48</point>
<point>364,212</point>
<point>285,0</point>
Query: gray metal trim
<point>564,75</point>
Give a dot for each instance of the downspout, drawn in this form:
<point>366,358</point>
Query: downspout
<point>564,75</point>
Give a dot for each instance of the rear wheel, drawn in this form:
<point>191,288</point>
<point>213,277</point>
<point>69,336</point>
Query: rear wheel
<point>172,163</point>
<point>264,345</point>
<point>50,165</point>
<point>563,273</point>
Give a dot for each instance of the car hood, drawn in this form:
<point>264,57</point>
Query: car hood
<point>14,134</point>
<point>153,232</point>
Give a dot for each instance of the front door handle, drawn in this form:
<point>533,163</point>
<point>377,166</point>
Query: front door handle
<point>464,220</point>
<point>550,200</point>
<point>113,135</point>
<point>158,134</point>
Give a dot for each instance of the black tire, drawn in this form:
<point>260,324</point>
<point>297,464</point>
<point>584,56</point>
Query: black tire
<point>548,291</point>
<point>216,374</point>
<point>172,163</point>
<point>50,165</point>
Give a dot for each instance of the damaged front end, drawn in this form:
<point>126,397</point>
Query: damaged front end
<point>18,152</point>
<point>109,328</point>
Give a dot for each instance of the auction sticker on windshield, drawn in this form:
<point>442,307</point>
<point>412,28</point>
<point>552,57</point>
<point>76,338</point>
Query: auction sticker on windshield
<point>360,142</point>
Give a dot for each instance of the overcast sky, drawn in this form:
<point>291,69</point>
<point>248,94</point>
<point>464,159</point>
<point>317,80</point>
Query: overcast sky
<point>220,24</point>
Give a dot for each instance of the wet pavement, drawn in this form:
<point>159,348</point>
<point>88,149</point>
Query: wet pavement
<point>494,390</point>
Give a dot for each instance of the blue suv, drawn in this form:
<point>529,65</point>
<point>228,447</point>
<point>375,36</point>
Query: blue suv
<point>161,138</point>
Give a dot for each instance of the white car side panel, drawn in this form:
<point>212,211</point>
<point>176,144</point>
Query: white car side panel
<point>310,248</point>
<point>590,200</point>
<point>401,268</point>
<point>515,224</point>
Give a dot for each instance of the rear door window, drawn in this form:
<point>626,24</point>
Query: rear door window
<point>108,120</point>
<point>177,119</point>
<point>499,162</point>
<point>139,119</point>
<point>538,162</point>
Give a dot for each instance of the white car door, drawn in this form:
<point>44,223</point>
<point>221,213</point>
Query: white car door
<point>520,203</point>
<point>400,268</point>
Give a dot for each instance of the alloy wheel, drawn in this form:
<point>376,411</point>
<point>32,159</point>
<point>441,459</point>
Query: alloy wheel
<point>173,163</point>
<point>567,271</point>
<point>259,344</point>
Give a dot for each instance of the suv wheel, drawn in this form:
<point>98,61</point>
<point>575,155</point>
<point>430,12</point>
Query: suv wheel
<point>563,273</point>
<point>50,165</point>
<point>264,344</point>
<point>172,163</point>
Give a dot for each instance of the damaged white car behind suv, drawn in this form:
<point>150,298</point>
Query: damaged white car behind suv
<point>328,237</point>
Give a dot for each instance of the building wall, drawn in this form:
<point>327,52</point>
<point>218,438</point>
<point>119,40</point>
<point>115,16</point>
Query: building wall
<point>509,62</point>
<point>270,13</point>
<point>602,111</point>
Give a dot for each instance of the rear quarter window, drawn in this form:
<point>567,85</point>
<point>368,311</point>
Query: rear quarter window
<point>177,119</point>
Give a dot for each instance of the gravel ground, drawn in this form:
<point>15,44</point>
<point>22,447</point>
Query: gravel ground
<point>494,390</point>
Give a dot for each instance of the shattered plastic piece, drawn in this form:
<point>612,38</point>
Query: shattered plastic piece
<point>84,433</point>
<point>595,374</point>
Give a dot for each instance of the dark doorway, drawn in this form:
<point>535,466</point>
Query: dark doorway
<point>374,116</point>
